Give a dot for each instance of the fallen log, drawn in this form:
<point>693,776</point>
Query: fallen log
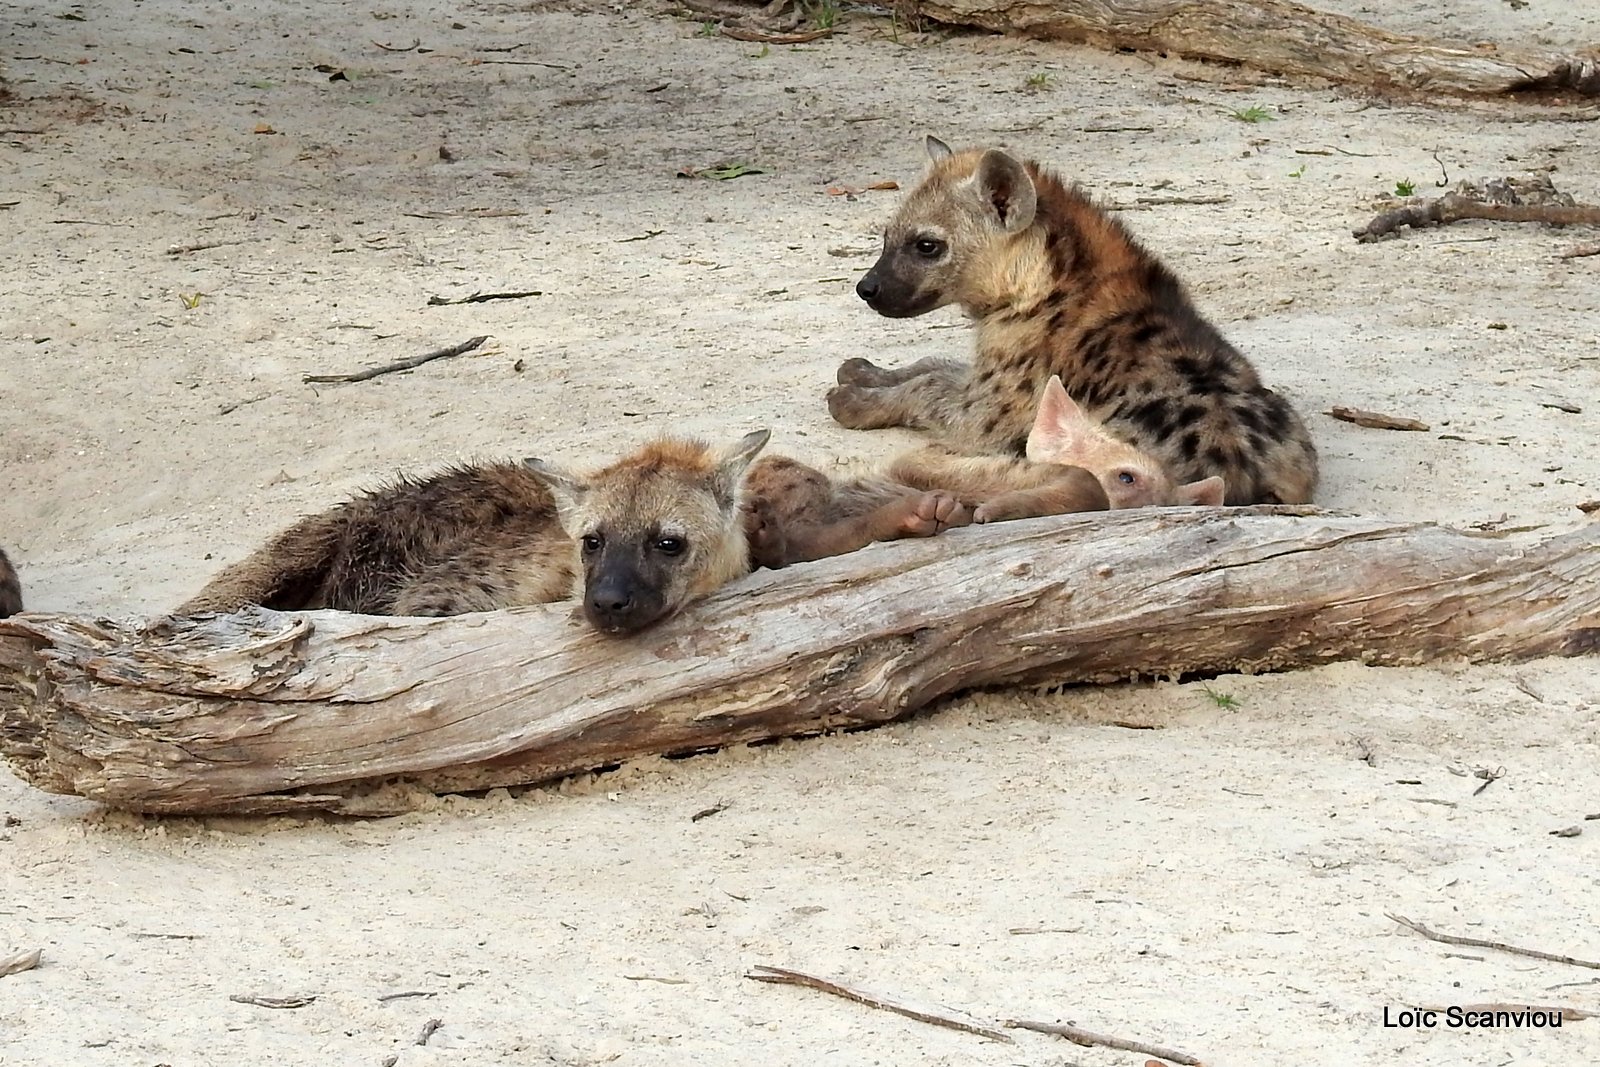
<point>1281,37</point>
<point>264,711</point>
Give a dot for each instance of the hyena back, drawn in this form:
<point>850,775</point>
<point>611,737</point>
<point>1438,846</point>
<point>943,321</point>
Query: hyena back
<point>1059,287</point>
<point>10,588</point>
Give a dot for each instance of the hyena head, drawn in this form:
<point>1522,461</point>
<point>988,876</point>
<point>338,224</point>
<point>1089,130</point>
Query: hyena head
<point>1062,433</point>
<point>656,529</point>
<point>952,233</point>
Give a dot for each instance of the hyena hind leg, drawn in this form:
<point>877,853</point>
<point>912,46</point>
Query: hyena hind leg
<point>932,400</point>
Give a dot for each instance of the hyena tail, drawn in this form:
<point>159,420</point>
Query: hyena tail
<point>10,588</point>
<point>286,573</point>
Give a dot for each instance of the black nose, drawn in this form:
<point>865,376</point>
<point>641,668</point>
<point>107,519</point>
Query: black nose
<point>867,287</point>
<point>611,601</point>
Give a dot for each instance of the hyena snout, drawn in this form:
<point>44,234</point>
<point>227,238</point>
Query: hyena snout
<point>893,295</point>
<point>621,602</point>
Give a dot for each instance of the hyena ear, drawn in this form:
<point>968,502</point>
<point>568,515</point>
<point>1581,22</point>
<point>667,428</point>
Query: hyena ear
<point>1006,189</point>
<point>938,151</point>
<point>1059,426</point>
<point>1206,493</point>
<point>567,489</point>
<point>729,475</point>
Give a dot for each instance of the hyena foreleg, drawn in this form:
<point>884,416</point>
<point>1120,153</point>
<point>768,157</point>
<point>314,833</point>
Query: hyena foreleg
<point>860,371</point>
<point>929,399</point>
<point>795,513</point>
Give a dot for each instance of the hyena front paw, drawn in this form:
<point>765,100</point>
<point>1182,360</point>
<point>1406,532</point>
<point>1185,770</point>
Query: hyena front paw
<point>858,407</point>
<point>932,513</point>
<point>768,545</point>
<point>860,371</point>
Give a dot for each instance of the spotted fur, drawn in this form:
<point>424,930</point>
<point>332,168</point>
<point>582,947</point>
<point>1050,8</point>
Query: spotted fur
<point>1059,287</point>
<point>10,588</point>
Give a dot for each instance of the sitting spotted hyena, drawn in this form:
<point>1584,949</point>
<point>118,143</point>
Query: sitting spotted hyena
<point>1058,287</point>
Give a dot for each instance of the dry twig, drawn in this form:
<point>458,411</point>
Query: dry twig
<point>482,298</point>
<point>926,1013</point>
<point>400,365</point>
<point>1374,421</point>
<point>271,1002</point>
<point>1454,207</point>
<point>761,37</point>
<point>199,246</point>
<point>1090,1039</point>
<point>1475,942</point>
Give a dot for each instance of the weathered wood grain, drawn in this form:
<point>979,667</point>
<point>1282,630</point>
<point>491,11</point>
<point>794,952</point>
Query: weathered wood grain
<point>1282,37</point>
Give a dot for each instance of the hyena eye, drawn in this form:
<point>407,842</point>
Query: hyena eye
<point>670,546</point>
<point>929,247</point>
<point>1126,477</point>
<point>591,543</point>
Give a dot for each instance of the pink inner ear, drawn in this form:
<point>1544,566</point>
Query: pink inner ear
<point>1208,492</point>
<point>1060,424</point>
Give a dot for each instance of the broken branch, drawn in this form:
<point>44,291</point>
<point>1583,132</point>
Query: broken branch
<point>482,298</point>
<point>400,365</point>
<point>1501,946</point>
<point>22,961</point>
<point>1374,421</point>
<point>1090,1039</point>
<point>935,1014</point>
<point>1279,36</point>
<point>1454,207</point>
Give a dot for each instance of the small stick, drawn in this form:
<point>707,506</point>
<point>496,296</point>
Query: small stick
<point>427,1030</point>
<point>1474,942</point>
<point>925,1013</point>
<point>1374,421</point>
<point>166,937</point>
<point>1145,203</point>
<point>1454,207</point>
<point>416,43</point>
<point>706,813</point>
<point>270,1002</point>
<point>758,37</point>
<point>199,246</point>
<point>1566,1012</point>
<point>481,298</point>
<point>22,961</point>
<point>399,365</point>
<point>405,993</point>
<point>1089,1039</point>
<point>520,63</point>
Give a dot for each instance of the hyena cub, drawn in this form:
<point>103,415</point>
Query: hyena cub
<point>1059,287</point>
<point>10,588</point>
<point>650,533</point>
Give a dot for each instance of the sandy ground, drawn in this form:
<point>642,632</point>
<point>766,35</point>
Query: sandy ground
<point>1218,885</point>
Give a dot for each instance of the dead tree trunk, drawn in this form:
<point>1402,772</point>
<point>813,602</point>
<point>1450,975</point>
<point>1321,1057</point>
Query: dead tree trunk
<point>1279,36</point>
<point>266,711</point>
